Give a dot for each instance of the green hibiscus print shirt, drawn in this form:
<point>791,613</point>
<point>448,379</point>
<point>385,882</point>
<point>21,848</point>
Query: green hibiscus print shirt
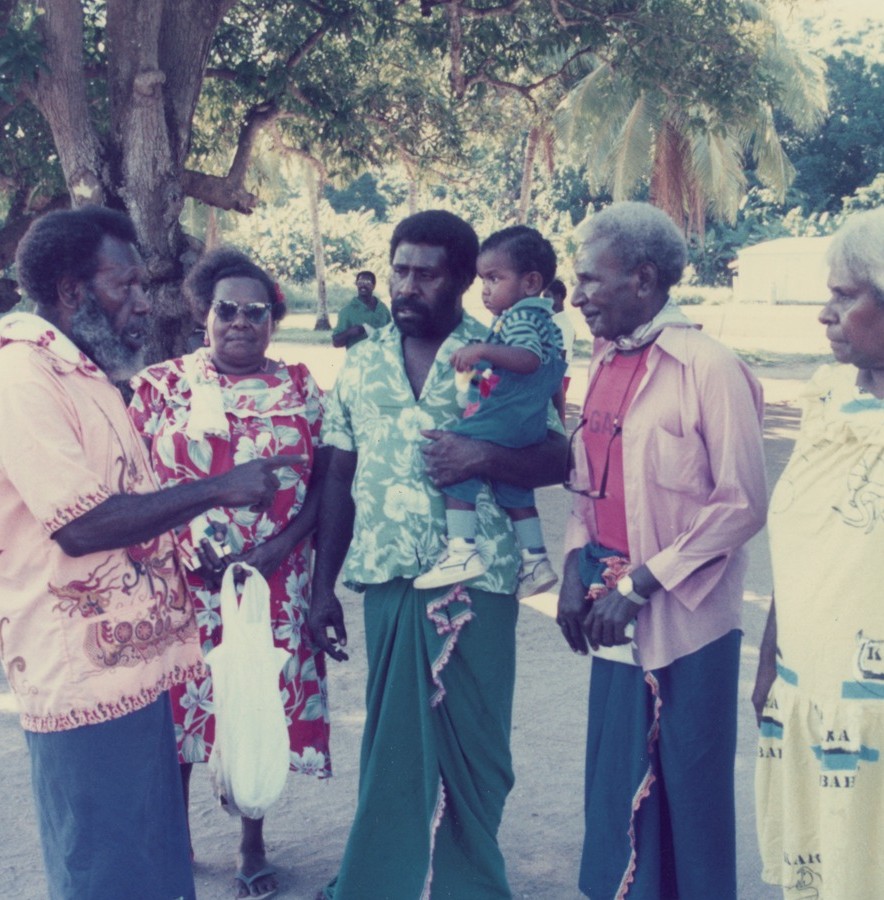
<point>400,527</point>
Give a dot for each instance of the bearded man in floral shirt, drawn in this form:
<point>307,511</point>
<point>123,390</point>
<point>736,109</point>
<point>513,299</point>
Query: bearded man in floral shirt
<point>95,624</point>
<point>436,765</point>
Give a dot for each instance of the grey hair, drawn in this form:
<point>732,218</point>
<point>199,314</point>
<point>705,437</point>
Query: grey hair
<point>858,245</point>
<point>640,233</point>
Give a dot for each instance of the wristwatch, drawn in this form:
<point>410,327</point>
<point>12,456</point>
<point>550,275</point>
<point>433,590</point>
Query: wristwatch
<point>626,588</point>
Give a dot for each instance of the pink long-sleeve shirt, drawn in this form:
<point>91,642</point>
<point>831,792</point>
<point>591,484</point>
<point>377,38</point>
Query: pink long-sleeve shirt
<point>694,487</point>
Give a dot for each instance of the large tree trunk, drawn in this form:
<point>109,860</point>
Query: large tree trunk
<point>149,176</point>
<point>157,52</point>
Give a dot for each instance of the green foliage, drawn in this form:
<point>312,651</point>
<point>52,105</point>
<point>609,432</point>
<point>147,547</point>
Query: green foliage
<point>759,219</point>
<point>674,120</point>
<point>848,150</point>
<point>362,193</point>
<point>386,101</point>
<point>870,196</point>
<point>281,239</point>
<point>21,55</point>
<point>28,160</point>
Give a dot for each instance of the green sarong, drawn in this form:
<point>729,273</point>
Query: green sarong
<point>435,766</point>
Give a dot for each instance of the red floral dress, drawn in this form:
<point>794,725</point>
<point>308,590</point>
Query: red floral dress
<point>251,416</point>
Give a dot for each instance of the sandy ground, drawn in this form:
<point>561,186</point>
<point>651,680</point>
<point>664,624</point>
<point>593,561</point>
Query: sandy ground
<point>541,835</point>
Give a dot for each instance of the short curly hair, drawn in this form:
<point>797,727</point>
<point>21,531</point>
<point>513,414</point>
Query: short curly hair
<point>65,243</point>
<point>227,262</point>
<point>440,228</point>
<point>640,233</point>
<point>527,248</point>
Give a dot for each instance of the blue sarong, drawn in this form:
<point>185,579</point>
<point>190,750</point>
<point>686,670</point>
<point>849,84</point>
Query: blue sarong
<point>659,802</point>
<point>110,809</point>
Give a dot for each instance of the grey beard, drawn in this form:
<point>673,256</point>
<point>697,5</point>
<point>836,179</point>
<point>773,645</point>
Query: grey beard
<point>92,331</point>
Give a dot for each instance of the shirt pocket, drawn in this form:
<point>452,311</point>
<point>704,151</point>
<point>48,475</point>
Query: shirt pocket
<point>678,463</point>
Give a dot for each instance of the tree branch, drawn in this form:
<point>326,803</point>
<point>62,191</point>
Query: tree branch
<point>185,39</point>
<point>504,9</point>
<point>258,117</point>
<point>222,192</point>
<point>297,57</point>
<point>228,191</point>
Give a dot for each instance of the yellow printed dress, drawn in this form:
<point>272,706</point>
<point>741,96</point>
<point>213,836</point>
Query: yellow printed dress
<point>820,772</point>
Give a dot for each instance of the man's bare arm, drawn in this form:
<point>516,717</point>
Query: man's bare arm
<point>348,334</point>
<point>451,458</point>
<point>335,532</point>
<point>127,519</point>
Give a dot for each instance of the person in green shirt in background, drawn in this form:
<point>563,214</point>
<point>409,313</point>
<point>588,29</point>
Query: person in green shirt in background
<point>361,315</point>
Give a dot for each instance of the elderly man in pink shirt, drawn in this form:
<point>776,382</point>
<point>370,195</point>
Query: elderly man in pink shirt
<point>668,480</point>
<point>95,625</point>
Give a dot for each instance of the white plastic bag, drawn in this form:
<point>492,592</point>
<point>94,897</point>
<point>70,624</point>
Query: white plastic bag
<point>250,756</point>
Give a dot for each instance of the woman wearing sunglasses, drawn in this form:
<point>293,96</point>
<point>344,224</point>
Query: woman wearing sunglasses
<point>227,403</point>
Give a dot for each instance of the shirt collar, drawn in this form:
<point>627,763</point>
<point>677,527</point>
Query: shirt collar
<point>49,340</point>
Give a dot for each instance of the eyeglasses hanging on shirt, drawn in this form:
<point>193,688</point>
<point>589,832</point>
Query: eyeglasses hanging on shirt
<point>600,492</point>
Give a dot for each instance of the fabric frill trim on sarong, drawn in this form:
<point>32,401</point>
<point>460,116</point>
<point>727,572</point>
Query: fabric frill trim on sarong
<point>448,614</point>
<point>644,788</point>
<point>436,821</point>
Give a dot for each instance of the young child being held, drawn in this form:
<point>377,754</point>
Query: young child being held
<point>513,375</point>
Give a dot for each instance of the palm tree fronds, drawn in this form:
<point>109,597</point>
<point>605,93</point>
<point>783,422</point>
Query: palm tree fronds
<point>717,163</point>
<point>772,166</point>
<point>632,152</point>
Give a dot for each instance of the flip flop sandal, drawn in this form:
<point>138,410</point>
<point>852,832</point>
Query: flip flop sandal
<point>249,880</point>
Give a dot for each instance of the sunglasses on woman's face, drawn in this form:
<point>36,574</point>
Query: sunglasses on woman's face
<point>227,311</point>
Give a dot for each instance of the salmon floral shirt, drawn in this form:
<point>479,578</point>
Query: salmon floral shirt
<point>89,639</point>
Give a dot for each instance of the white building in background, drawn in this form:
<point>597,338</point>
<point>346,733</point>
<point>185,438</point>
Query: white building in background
<point>785,270</point>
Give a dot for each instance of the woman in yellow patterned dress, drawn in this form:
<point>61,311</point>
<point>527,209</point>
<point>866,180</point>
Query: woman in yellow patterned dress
<point>819,693</point>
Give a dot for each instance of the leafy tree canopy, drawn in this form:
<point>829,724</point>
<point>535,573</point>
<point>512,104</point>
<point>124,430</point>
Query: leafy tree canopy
<point>848,150</point>
<point>143,105</point>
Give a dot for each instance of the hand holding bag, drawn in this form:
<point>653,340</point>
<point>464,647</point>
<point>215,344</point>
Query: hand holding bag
<point>250,756</point>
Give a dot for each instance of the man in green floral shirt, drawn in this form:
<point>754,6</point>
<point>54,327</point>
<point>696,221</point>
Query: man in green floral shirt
<point>436,764</point>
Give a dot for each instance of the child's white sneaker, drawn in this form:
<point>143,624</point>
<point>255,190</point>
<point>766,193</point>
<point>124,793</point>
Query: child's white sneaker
<point>535,575</point>
<point>460,562</point>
